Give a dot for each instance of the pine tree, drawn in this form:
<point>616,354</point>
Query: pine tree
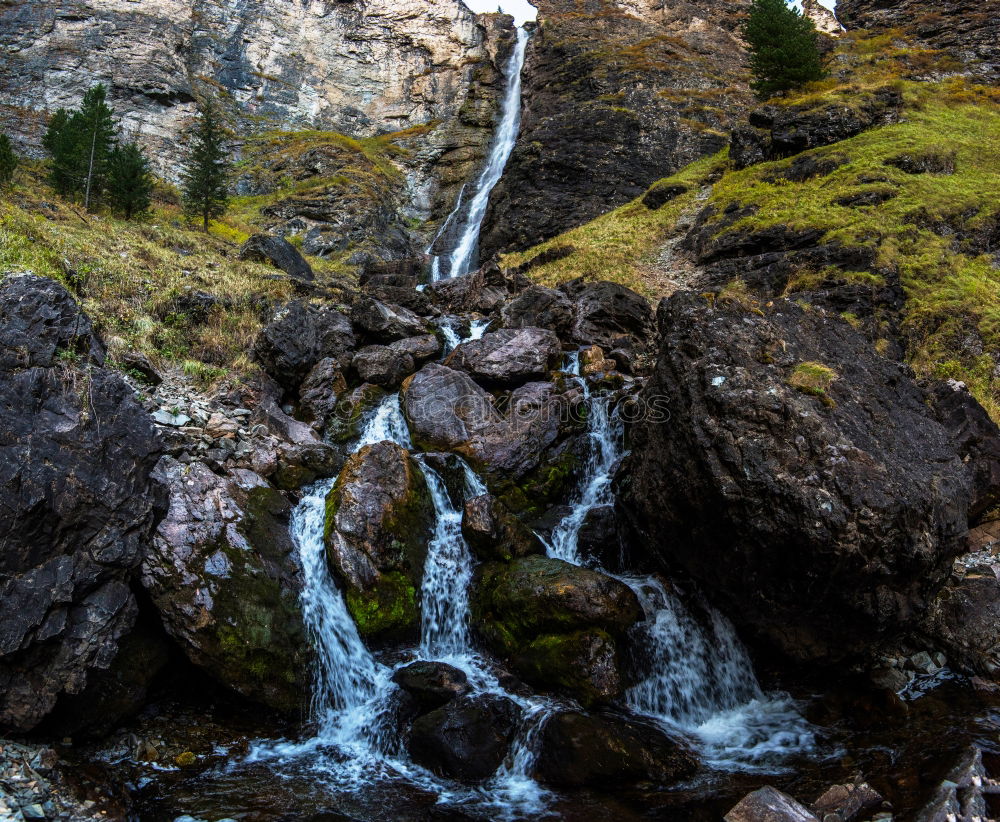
<point>782,44</point>
<point>206,173</point>
<point>8,161</point>
<point>80,143</point>
<point>129,180</point>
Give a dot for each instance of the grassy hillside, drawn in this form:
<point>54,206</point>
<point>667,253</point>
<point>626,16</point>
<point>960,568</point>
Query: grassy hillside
<point>921,193</point>
<point>170,291</point>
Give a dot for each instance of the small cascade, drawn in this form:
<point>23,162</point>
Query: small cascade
<point>701,681</point>
<point>447,572</point>
<point>387,423</point>
<point>451,339</point>
<point>468,219</point>
<point>606,436</point>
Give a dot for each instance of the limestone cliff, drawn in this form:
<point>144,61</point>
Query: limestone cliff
<point>359,68</point>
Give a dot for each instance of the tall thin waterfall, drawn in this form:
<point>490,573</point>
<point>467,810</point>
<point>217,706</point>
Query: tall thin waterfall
<point>700,680</point>
<point>463,254</point>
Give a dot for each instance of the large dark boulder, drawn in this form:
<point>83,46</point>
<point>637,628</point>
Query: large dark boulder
<point>39,321</point>
<point>558,623</point>
<point>77,501</point>
<point>223,573</point>
<point>581,750</point>
<point>264,248</point>
<point>508,357</point>
<point>467,738</point>
<point>378,517</point>
<point>298,336</point>
<point>383,365</point>
<point>384,322</point>
<point>799,476</point>
<point>539,307</point>
<point>447,411</point>
<point>431,684</point>
<point>609,315</point>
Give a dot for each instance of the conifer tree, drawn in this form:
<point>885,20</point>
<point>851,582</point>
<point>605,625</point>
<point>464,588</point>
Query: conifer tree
<point>8,161</point>
<point>783,50</point>
<point>80,143</point>
<point>129,180</point>
<point>206,172</point>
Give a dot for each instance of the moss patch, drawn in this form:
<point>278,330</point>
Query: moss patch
<point>813,378</point>
<point>388,608</point>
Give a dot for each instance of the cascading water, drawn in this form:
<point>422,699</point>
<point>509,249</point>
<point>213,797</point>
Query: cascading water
<point>469,219</point>
<point>451,339</point>
<point>607,446</point>
<point>700,681</point>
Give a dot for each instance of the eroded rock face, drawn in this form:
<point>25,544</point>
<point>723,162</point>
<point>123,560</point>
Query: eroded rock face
<point>321,65</point>
<point>77,500</point>
<point>800,478</point>
<point>557,622</point>
<point>967,32</point>
<point>377,527</point>
<point>605,751</point>
<point>223,574</point>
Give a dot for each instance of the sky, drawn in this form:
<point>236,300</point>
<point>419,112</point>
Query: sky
<point>522,10</point>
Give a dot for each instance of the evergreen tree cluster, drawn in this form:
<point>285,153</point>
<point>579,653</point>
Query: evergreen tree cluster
<point>782,45</point>
<point>92,162</point>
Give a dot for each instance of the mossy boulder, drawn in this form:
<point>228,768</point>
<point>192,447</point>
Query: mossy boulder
<point>557,623</point>
<point>378,521</point>
<point>223,574</point>
<point>493,532</point>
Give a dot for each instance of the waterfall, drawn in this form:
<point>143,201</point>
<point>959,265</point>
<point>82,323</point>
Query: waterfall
<point>451,339</point>
<point>459,262</point>
<point>387,423</point>
<point>447,571</point>
<point>700,680</point>
<point>606,438</point>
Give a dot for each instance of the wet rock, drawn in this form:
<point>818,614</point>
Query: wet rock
<point>298,336</point>
<point>431,684</point>
<point>581,750</point>
<point>467,738</point>
<point>850,803</point>
<point>447,411</point>
<point>977,438</point>
<point>320,391</point>
<point>277,251</point>
<point>509,357</point>
<point>780,131</point>
<point>41,322</point>
<point>799,458</point>
<point>539,307</point>
<point>382,365</point>
<point>609,315</point>
<point>600,536</point>
<point>77,501</point>
<point>384,322</point>
<point>481,292</point>
<point>350,411</point>
<point>557,622</point>
<point>35,786</point>
<point>493,532</point>
<point>960,796</point>
<point>769,805</point>
<point>223,574</point>
<point>377,524</point>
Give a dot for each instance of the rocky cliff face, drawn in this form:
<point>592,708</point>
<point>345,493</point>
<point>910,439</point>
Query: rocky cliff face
<point>364,69</point>
<point>967,31</point>
<point>616,95</point>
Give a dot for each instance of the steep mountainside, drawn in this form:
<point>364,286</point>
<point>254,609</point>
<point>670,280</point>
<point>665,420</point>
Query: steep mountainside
<point>359,69</point>
<point>616,95</point>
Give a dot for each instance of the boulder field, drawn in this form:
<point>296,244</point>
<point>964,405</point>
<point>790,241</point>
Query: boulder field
<point>800,480</point>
